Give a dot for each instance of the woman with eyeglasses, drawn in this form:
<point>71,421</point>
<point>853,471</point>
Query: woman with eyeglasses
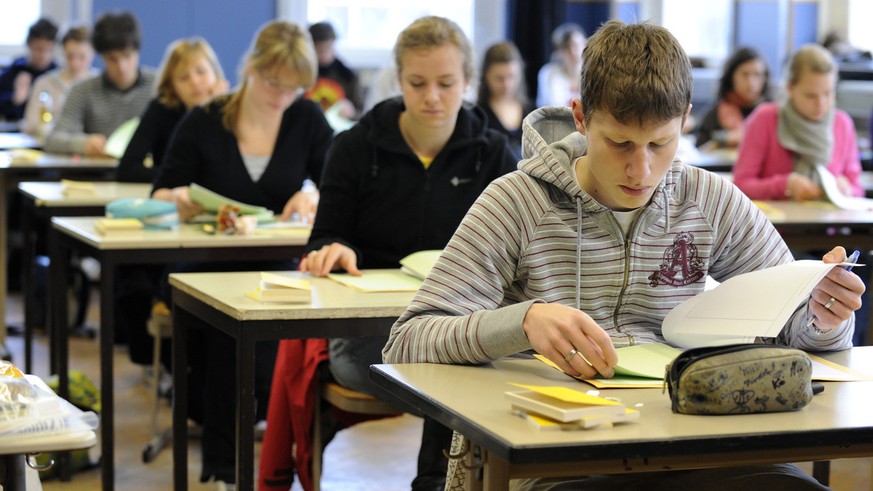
<point>256,145</point>
<point>260,142</point>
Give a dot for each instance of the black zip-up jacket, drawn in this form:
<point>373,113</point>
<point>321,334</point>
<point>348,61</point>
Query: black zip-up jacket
<point>201,150</point>
<point>378,199</point>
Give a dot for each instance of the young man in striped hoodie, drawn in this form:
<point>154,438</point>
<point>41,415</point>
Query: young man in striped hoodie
<point>599,234</point>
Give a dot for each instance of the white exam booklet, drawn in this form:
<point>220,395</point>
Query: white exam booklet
<point>755,304</point>
<point>835,196</point>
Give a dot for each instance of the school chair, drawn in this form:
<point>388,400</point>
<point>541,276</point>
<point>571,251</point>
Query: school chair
<point>347,400</point>
<point>160,327</point>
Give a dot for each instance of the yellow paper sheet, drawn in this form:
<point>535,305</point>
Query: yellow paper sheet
<point>828,371</point>
<point>616,382</point>
<point>568,395</point>
<point>381,281</point>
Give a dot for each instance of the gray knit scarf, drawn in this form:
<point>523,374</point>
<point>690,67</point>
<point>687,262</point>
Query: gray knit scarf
<point>811,142</point>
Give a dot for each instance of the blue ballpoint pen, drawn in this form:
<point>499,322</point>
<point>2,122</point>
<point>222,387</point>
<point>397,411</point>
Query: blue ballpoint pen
<point>851,259</point>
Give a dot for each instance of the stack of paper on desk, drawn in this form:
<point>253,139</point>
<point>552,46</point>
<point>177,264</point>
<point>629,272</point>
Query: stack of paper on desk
<point>71,188</point>
<point>118,226</point>
<point>276,287</point>
<point>549,408</point>
<point>22,155</point>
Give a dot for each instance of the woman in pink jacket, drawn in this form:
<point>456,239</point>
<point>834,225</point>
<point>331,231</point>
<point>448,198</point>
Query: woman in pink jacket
<point>784,143</point>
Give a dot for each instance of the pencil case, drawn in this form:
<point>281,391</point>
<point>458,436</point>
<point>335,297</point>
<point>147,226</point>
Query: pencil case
<point>739,379</point>
<point>153,213</point>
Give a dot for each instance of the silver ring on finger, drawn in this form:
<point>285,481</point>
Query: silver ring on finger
<point>573,352</point>
<point>830,303</point>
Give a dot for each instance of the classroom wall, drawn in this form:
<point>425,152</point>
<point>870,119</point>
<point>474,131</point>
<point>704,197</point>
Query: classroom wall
<point>761,24</point>
<point>804,22</point>
<point>228,25</point>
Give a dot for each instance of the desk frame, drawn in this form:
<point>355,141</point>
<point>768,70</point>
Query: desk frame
<point>246,333</point>
<point>46,169</point>
<point>61,248</point>
<point>37,218</point>
<point>502,460</point>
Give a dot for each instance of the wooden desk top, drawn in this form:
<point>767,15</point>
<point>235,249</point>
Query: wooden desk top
<point>17,140</point>
<point>787,212</point>
<point>226,292</point>
<point>473,398</point>
<point>185,236</point>
<point>56,161</point>
<point>50,194</point>
<point>717,159</point>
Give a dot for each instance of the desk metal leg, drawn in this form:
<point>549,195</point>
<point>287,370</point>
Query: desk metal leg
<point>180,399</point>
<point>107,340</point>
<point>495,472</point>
<point>821,471</point>
<point>59,275</point>
<point>4,240</point>
<point>245,424</point>
<point>12,471</point>
<point>27,264</point>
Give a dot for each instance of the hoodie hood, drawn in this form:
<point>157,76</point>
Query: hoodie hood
<point>554,162</point>
<point>384,132</point>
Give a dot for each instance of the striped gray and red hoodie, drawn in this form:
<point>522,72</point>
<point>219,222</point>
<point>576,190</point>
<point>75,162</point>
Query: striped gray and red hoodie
<point>535,236</point>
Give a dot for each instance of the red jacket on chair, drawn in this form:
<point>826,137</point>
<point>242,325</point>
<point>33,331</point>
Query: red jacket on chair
<point>289,415</point>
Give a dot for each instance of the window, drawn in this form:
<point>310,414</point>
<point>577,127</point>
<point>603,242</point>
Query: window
<point>860,34</point>
<point>367,29</point>
<point>708,35</point>
<point>14,23</point>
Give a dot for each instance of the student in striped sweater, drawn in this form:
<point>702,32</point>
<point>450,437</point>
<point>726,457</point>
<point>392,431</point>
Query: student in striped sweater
<point>97,106</point>
<point>598,235</point>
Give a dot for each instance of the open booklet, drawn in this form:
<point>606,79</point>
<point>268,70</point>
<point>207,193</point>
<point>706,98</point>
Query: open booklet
<point>116,143</point>
<point>835,196</point>
<point>414,269</point>
<point>643,366</point>
<point>212,201</point>
<point>747,306</point>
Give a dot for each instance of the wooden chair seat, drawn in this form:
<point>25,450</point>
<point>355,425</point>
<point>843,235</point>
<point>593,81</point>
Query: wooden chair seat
<point>348,400</point>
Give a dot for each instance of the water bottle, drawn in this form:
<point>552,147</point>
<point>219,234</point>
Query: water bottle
<point>45,113</point>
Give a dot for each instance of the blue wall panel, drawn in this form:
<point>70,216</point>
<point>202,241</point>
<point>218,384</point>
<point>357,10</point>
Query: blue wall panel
<point>589,15</point>
<point>805,24</point>
<point>757,27</point>
<point>629,12</point>
<point>228,25</point>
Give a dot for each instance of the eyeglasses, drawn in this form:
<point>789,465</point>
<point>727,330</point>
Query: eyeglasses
<point>276,86</point>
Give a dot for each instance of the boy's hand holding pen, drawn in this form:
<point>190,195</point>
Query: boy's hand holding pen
<point>837,295</point>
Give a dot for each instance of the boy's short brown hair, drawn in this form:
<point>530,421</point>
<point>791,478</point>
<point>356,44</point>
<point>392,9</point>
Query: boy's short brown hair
<point>635,72</point>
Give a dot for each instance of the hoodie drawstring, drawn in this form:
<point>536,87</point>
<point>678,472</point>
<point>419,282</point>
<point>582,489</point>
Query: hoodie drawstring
<point>578,252</point>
